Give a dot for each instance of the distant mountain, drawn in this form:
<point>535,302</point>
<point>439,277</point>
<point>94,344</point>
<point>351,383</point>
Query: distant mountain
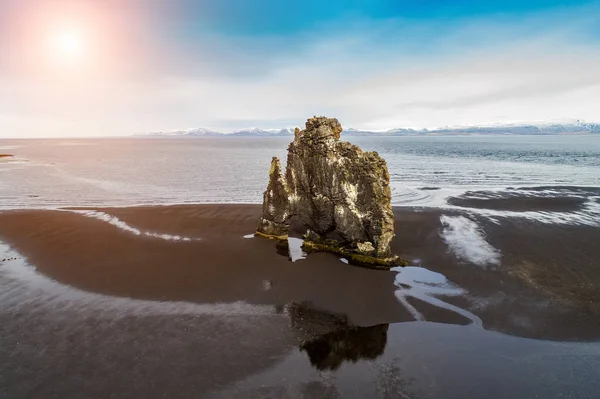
<point>575,127</point>
<point>524,129</point>
<point>202,132</point>
<point>508,129</point>
<point>256,132</point>
<point>197,132</point>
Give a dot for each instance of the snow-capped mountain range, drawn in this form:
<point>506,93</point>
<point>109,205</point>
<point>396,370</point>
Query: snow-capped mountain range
<point>202,132</point>
<point>575,127</point>
<point>254,131</point>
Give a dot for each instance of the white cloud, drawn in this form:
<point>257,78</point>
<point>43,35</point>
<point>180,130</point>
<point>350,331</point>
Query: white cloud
<point>377,77</point>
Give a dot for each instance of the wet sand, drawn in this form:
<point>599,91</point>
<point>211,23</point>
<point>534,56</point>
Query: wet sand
<point>558,265</point>
<point>205,340</point>
<point>222,266</point>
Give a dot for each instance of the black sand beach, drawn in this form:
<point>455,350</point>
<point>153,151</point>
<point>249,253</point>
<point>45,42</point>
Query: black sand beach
<point>235,307</point>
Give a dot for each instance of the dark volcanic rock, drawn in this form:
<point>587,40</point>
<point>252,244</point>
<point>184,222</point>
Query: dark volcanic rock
<point>340,193</point>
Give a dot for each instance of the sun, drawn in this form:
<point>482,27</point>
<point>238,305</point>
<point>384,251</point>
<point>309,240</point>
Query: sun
<point>69,46</point>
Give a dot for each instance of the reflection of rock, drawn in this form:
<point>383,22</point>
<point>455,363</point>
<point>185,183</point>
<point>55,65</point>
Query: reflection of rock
<point>310,322</point>
<point>339,193</point>
<point>329,339</point>
<point>283,248</point>
<point>328,352</point>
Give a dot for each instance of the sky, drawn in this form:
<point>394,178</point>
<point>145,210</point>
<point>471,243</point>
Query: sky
<point>121,67</point>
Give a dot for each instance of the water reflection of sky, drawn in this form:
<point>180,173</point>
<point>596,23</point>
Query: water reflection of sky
<point>428,286</point>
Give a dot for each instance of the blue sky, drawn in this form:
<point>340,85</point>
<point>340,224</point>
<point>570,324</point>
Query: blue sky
<point>287,17</point>
<point>229,64</point>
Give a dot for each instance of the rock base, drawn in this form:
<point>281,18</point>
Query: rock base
<point>356,259</point>
<point>271,236</point>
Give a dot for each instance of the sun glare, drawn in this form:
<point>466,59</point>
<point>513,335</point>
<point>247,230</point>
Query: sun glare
<point>69,46</point>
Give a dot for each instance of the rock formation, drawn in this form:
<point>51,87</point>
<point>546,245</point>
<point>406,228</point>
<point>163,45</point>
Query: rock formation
<point>339,193</point>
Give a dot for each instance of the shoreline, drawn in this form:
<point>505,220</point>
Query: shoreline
<point>570,203</point>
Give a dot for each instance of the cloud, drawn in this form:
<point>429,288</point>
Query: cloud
<point>374,74</point>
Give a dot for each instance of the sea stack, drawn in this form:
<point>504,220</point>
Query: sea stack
<point>340,193</point>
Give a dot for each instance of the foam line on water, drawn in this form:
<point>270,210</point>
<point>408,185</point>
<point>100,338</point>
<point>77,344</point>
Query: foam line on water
<point>115,221</point>
<point>467,241</point>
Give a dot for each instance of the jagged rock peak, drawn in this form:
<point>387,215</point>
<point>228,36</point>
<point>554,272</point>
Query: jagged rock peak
<point>321,127</point>
<point>276,213</point>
